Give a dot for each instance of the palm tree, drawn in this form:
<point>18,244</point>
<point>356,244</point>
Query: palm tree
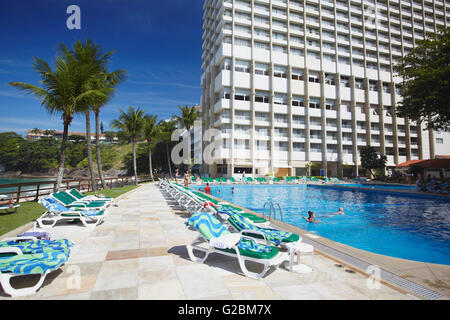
<point>91,62</point>
<point>63,92</point>
<point>165,130</point>
<point>35,131</point>
<point>151,133</point>
<point>132,124</point>
<point>49,132</point>
<point>188,116</point>
<point>106,82</point>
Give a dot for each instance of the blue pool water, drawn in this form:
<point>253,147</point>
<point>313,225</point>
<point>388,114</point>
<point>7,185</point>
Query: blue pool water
<point>403,227</point>
<point>378,186</point>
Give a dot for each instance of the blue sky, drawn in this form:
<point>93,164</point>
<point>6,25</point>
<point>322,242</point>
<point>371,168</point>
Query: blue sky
<point>157,42</point>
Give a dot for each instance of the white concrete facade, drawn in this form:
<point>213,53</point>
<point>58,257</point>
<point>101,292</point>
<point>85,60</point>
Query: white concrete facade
<point>292,82</point>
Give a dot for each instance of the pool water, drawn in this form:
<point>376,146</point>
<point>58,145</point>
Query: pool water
<point>398,226</point>
<point>378,186</point>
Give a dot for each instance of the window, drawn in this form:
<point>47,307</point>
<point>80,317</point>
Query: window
<point>279,49</point>
<point>242,115</point>
<point>281,146</point>
<point>280,118</point>
<point>243,96</point>
<point>298,147</point>
<point>242,42</point>
<point>329,105</point>
<point>261,45</point>
<point>262,145</point>
<point>359,84</point>
<point>297,101</point>
<point>374,110</point>
<point>316,147</point>
<point>345,82</point>
<point>279,99</point>
<point>313,78</point>
<point>261,97</point>
<point>279,36</point>
<point>261,33</point>
<point>242,66</point>
<point>296,52</point>
<point>298,133</point>
<point>262,69</point>
<point>314,103</point>
<point>261,116</point>
<point>226,95</point>
<point>329,79</point>
<point>298,119</point>
<point>262,131</point>
<point>279,72</point>
<point>226,64</point>
<point>243,144</point>
<point>439,140</point>
<point>297,74</point>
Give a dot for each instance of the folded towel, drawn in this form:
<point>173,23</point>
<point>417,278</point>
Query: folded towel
<point>226,241</point>
<point>38,235</point>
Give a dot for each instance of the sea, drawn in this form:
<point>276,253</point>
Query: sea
<point>24,189</point>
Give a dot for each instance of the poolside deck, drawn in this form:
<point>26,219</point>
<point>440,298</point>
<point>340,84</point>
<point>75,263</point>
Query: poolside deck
<point>139,253</point>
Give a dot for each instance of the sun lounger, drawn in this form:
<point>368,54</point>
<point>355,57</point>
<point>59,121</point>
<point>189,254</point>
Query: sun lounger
<point>220,240</point>
<point>81,197</point>
<point>18,259</point>
<point>70,202</point>
<point>274,236</point>
<point>226,208</point>
<point>8,209</point>
<point>57,212</point>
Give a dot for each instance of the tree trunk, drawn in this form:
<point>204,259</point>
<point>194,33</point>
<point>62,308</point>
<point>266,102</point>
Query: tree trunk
<point>97,150</point>
<point>168,160</point>
<point>134,162</point>
<point>89,151</point>
<point>150,160</point>
<point>62,158</point>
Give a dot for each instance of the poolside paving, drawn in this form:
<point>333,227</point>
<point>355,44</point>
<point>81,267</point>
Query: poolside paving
<point>139,253</point>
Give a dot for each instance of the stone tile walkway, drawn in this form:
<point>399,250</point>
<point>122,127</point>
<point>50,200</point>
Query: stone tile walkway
<point>139,253</point>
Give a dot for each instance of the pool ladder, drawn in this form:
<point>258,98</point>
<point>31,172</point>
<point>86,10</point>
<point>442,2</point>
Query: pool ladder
<point>271,207</point>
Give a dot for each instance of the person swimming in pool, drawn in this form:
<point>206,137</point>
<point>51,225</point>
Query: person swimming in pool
<point>311,217</point>
<point>232,190</point>
<point>340,211</point>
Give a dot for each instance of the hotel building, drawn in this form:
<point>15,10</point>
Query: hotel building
<point>294,82</point>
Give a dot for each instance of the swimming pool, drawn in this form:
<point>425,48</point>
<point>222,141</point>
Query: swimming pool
<point>403,227</point>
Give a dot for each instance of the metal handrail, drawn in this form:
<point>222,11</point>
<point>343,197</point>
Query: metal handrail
<point>272,209</point>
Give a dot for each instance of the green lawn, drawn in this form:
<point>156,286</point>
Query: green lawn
<point>28,211</point>
<point>115,192</point>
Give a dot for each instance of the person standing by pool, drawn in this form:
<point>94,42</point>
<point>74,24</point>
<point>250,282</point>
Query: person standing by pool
<point>207,189</point>
<point>419,183</point>
<point>186,179</point>
<point>176,175</point>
